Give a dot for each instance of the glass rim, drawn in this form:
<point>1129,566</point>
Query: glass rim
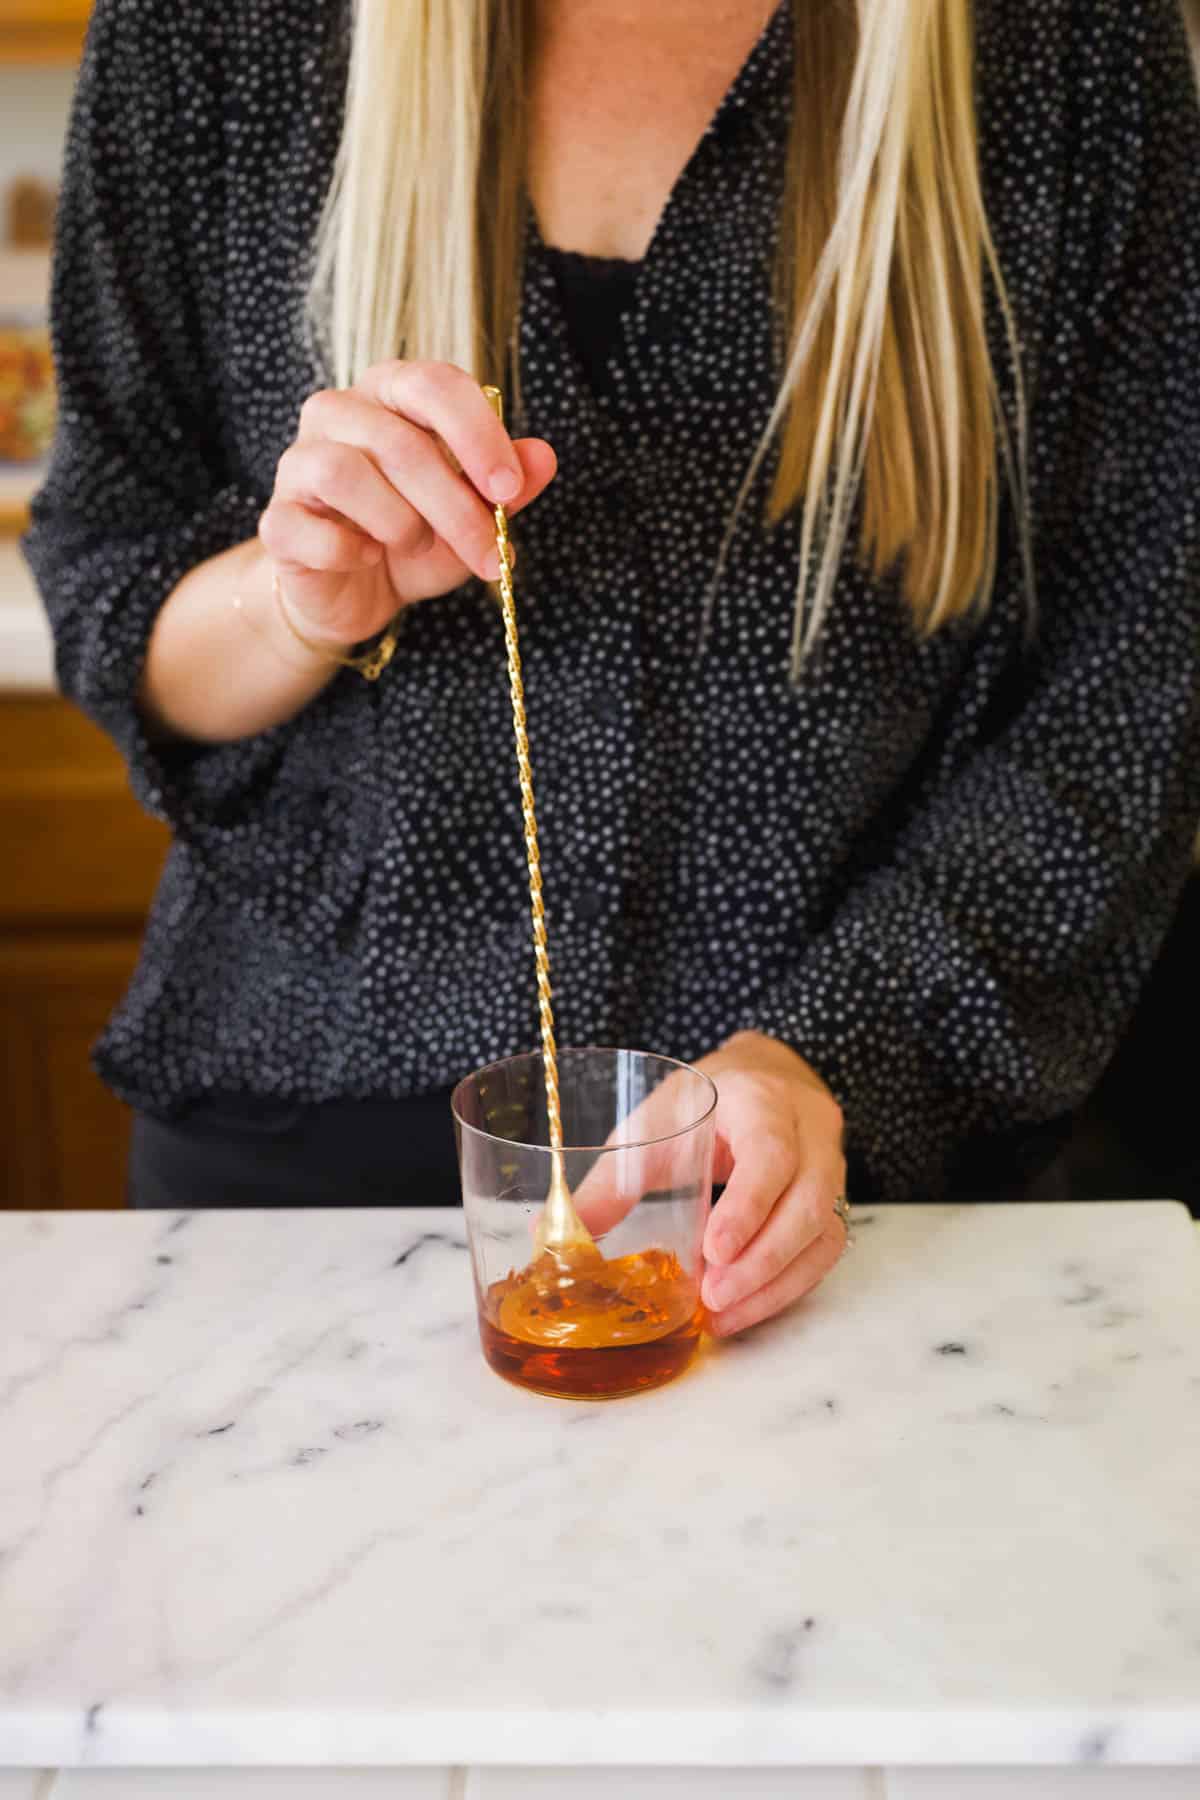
<point>586,1050</point>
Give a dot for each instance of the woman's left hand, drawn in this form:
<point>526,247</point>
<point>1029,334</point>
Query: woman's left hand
<point>773,1234</point>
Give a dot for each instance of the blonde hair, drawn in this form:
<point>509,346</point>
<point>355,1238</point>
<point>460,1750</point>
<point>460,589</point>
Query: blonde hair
<point>887,392</point>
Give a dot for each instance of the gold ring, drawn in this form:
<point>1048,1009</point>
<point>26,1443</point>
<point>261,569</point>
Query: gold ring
<point>841,1207</point>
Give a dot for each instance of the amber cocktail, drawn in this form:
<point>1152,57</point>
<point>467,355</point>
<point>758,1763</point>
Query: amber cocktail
<point>623,1316</point>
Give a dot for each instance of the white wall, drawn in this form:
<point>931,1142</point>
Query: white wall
<point>33,117</point>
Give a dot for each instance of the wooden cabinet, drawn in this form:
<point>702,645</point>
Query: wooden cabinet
<point>42,30</point>
<point>80,862</point>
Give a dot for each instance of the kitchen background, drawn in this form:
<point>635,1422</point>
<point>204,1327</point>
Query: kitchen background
<point>78,860</point>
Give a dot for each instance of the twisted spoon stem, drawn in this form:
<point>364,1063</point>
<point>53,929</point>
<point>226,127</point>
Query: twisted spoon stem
<point>537,908</point>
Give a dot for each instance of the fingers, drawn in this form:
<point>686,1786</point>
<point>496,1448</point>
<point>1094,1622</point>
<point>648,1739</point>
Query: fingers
<point>764,1163</point>
<point>800,1276</point>
<point>394,482</point>
<point>446,400</point>
<point>323,472</point>
<point>539,466</point>
<point>793,1222</point>
<point>297,538</point>
<point>351,444</point>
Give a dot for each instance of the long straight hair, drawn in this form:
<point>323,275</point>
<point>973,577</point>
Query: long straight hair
<point>887,401</point>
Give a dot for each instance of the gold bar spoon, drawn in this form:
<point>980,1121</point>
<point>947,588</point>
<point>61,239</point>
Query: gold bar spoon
<point>559,1229</point>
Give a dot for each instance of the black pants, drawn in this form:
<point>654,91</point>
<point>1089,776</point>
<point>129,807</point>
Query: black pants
<point>239,1151</point>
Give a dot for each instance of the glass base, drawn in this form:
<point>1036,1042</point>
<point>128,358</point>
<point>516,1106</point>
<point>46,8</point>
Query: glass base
<point>608,1373</point>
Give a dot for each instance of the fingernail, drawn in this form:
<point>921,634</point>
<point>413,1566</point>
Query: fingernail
<point>503,485</point>
<point>718,1294</point>
<point>724,1243</point>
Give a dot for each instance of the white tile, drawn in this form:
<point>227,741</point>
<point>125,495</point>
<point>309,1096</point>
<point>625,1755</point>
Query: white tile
<point>247,1784</point>
<point>1043,1784</point>
<point>672,1784</point>
<point>19,1784</point>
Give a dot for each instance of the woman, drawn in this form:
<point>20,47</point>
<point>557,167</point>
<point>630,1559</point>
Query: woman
<point>854,352</point>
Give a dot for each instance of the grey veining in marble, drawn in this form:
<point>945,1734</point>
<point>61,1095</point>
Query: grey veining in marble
<point>261,1501</point>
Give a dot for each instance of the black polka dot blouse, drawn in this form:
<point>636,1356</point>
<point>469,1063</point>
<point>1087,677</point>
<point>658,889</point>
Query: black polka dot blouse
<point>939,869</point>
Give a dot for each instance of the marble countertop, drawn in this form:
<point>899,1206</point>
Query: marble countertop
<point>262,1502</point>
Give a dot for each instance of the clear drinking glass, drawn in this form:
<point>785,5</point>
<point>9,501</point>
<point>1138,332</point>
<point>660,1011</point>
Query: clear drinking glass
<point>637,1156</point>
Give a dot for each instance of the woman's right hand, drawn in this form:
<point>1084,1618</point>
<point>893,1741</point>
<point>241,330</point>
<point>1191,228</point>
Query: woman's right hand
<point>369,512</point>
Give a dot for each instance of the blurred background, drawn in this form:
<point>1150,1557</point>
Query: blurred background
<point>79,860</point>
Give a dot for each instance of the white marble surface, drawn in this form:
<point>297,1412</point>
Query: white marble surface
<point>262,1502</point>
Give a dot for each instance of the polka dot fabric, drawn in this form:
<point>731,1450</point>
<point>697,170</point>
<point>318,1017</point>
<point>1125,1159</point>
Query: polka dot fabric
<point>940,869</point>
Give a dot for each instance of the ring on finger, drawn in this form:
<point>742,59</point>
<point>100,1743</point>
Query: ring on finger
<point>841,1207</point>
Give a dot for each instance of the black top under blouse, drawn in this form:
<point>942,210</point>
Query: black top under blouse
<point>595,293</point>
<point>939,868</point>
